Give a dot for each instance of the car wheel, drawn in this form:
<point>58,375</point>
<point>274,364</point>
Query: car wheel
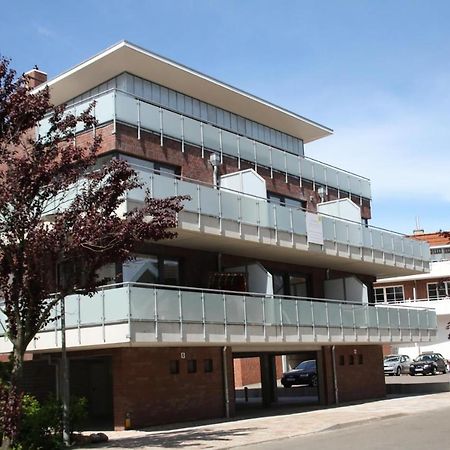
<point>398,371</point>
<point>444,370</point>
<point>412,374</point>
<point>313,382</point>
<point>433,370</point>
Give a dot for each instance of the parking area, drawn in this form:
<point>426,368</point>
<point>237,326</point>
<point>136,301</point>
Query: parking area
<point>418,379</point>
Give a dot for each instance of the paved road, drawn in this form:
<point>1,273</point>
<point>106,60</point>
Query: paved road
<point>408,379</point>
<point>427,430</point>
<point>282,430</point>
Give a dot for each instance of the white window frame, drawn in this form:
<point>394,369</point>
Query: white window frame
<point>385,300</point>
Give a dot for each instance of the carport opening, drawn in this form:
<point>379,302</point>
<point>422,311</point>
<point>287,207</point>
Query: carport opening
<point>274,380</point>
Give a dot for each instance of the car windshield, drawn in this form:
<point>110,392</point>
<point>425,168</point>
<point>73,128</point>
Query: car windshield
<point>424,358</point>
<point>306,365</point>
<point>392,359</point>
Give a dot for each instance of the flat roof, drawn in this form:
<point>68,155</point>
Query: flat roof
<point>127,57</point>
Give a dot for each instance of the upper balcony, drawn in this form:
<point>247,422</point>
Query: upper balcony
<point>230,221</point>
<point>147,314</point>
<point>117,106</point>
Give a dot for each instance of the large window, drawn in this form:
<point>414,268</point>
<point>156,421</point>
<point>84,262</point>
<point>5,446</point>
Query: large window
<point>152,269</point>
<point>438,290</point>
<point>289,202</point>
<point>389,294</point>
<point>290,284</point>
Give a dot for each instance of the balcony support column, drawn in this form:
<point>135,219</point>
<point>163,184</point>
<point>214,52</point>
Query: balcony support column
<point>268,379</point>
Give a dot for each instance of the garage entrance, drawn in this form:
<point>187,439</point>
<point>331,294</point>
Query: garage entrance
<point>259,380</point>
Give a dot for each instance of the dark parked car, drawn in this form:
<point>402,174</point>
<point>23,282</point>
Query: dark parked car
<point>304,373</point>
<point>428,363</point>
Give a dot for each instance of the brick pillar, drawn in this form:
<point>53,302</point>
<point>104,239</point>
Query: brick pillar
<point>35,77</point>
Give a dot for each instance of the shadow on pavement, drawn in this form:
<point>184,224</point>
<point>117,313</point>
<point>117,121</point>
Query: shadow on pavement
<point>177,439</point>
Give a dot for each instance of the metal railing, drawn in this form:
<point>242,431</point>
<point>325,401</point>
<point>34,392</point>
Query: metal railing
<point>118,106</point>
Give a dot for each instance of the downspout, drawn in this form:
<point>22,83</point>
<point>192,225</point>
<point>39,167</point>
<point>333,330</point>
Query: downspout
<point>225,381</point>
<point>335,385</point>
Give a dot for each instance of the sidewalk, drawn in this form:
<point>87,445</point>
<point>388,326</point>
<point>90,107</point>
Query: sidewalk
<point>236,433</point>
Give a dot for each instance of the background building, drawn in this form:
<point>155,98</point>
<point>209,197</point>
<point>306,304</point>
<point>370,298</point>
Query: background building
<point>274,256</point>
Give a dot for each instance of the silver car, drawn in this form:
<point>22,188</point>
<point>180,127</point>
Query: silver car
<point>396,364</point>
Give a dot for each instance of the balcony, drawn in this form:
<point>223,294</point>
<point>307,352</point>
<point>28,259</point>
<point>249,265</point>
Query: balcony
<point>225,220</point>
<point>118,106</point>
<point>144,314</point>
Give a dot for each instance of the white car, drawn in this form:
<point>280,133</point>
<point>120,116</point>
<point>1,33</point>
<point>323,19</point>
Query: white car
<point>396,364</point>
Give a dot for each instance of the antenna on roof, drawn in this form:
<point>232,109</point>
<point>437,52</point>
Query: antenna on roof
<point>418,229</point>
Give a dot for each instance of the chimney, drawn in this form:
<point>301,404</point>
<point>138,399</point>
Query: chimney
<point>35,77</point>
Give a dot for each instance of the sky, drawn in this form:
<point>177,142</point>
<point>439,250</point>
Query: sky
<point>375,71</point>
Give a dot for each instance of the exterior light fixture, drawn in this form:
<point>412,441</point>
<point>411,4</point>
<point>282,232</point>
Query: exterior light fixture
<point>321,191</point>
<point>215,162</point>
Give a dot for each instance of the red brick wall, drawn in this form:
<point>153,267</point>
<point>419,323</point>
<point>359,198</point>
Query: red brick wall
<point>248,370</point>
<point>143,386</point>
<point>357,381</point>
<point>408,287</point>
<point>193,166</point>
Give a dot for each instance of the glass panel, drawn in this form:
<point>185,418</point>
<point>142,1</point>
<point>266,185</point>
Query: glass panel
<point>341,231</point>
<point>142,303</point>
<point>344,181</point>
<point>163,187</point>
<point>432,319</point>
<point>190,189</point>
<point>334,314</point>
<point>305,312</point>
<point>150,117</point>
<point>235,308</point>
<point>214,308</point>
<point>71,310</point>
<point>272,311</point>
<point>319,173</point>
<point>298,286</point>
<point>265,214</point>
<point>376,239</point>
<point>171,124</point>
<point>355,234</point>
<point>249,210</point>
<point>383,317</point>
<point>246,150</point>
<point>365,189</point>
<point>320,314</point>
<point>393,317</point>
<point>387,242</point>
<point>373,318</point>
<point>263,154</point>
<point>328,229</point>
<point>254,310</point>
<point>292,164</point>
<point>168,306</point>
<point>126,109</point>
<point>366,236</point>
<point>209,201</point>
<point>211,138</point>
<point>171,272</point>
<point>192,131</point>
<point>283,218</point>
<point>91,309</point>
<point>289,311</point>
<point>332,176</point>
<point>306,169</point>
<point>230,205</point>
<point>116,304</point>
<point>404,318</point>
<point>355,185</point>
<point>299,222</point>
<point>360,316</point>
<point>278,161</point>
<point>229,143</point>
<point>347,315</point>
<point>191,303</point>
<point>104,108</point>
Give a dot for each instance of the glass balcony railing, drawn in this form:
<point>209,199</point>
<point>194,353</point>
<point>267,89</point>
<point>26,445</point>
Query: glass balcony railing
<point>245,209</point>
<point>119,106</point>
<point>139,302</point>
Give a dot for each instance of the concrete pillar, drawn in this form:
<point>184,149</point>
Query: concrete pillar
<point>268,379</point>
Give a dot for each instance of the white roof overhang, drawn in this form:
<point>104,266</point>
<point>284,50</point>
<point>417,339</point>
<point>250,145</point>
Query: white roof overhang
<point>126,57</point>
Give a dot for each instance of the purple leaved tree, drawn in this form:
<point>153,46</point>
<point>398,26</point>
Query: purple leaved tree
<point>45,223</point>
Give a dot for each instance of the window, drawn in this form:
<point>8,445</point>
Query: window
<point>174,367</point>
<point>290,284</point>
<point>360,359</point>
<point>152,269</point>
<point>208,365</point>
<point>341,360</point>
<point>289,202</point>
<point>438,290</point>
<point>389,294</point>
<point>192,366</point>
<point>351,360</point>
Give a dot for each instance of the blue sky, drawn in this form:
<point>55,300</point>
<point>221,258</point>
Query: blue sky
<point>377,72</point>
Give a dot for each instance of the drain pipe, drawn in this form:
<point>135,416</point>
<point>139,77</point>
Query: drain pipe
<point>225,381</point>
<point>335,385</point>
